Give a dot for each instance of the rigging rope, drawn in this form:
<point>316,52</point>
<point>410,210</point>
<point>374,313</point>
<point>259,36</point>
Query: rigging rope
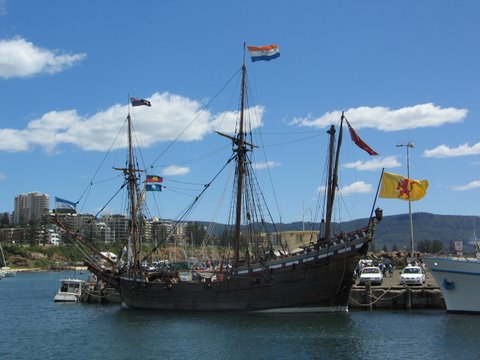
<point>191,206</point>
<point>102,162</point>
<point>193,120</point>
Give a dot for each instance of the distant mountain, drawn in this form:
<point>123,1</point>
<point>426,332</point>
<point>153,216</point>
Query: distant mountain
<point>426,227</point>
<point>394,230</point>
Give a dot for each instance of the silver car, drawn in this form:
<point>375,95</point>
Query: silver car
<point>372,275</point>
<point>412,275</point>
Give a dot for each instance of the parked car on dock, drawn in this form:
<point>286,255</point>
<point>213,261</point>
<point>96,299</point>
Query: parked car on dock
<point>372,275</point>
<point>412,275</point>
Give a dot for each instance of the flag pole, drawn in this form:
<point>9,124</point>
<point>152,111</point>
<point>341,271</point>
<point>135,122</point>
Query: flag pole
<point>408,146</point>
<point>376,195</point>
<point>244,47</point>
<point>370,219</point>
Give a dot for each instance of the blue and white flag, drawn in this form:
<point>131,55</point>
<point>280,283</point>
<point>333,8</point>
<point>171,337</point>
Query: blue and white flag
<point>153,187</point>
<point>64,204</point>
<point>140,102</point>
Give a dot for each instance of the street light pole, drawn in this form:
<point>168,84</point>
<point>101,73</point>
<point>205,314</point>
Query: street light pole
<point>408,146</point>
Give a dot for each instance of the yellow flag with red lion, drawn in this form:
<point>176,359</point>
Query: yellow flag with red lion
<point>398,187</point>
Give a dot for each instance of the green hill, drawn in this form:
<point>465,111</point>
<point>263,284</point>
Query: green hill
<point>426,227</point>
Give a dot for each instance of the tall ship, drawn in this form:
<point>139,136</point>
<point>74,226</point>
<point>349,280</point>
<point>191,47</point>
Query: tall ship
<point>459,281</point>
<point>251,273</point>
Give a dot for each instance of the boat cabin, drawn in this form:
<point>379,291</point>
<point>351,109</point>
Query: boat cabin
<point>70,290</point>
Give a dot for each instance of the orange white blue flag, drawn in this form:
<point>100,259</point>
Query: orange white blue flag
<point>266,53</point>
<point>397,187</point>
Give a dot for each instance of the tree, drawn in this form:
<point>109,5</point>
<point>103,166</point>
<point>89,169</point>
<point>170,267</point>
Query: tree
<point>42,234</point>
<point>33,229</point>
<point>195,232</point>
<point>425,246</point>
<point>437,246</point>
<point>226,237</point>
<point>5,221</point>
<point>451,247</point>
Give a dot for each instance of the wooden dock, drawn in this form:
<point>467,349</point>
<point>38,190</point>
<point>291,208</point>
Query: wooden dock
<point>98,292</point>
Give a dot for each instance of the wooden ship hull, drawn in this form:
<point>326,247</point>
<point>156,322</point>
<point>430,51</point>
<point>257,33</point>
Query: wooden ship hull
<point>317,280</point>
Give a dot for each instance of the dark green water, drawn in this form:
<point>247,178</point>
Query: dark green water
<point>34,327</point>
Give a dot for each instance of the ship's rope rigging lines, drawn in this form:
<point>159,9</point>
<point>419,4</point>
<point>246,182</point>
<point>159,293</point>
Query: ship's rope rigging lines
<point>256,198</point>
<point>187,191</point>
<point>205,108</point>
<point>303,139</point>
<point>169,146</point>
<point>92,181</point>
<point>219,150</point>
<point>191,206</point>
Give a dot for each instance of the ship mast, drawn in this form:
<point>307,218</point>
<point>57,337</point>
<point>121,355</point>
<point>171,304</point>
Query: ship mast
<point>241,158</point>
<point>332,174</point>
<point>131,176</point>
<point>241,164</point>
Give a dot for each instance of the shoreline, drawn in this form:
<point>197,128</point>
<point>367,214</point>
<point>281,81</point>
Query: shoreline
<point>67,268</point>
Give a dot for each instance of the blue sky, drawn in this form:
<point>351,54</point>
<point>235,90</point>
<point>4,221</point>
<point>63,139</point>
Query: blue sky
<point>402,71</point>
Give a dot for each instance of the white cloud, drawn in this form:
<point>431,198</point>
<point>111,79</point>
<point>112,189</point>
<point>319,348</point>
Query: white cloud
<point>169,116</point>
<point>266,165</point>
<point>374,164</point>
<point>20,58</point>
<point>470,186</point>
<point>14,140</point>
<point>227,121</point>
<point>385,119</point>
<point>175,170</point>
<point>356,187</point>
<point>443,151</point>
<point>2,177</point>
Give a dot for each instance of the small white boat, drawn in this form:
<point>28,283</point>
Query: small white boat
<point>70,290</point>
<point>5,270</point>
<point>8,272</point>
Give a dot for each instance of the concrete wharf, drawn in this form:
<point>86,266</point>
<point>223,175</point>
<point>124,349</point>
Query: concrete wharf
<point>392,295</point>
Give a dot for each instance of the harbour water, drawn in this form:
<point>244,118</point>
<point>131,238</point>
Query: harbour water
<point>34,327</point>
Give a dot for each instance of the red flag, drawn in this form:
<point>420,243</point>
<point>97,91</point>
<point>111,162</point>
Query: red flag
<point>359,142</point>
<point>154,179</point>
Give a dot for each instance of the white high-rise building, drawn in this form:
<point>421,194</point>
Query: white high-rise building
<point>31,206</point>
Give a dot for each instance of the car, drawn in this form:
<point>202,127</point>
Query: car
<point>372,275</point>
<point>412,275</point>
